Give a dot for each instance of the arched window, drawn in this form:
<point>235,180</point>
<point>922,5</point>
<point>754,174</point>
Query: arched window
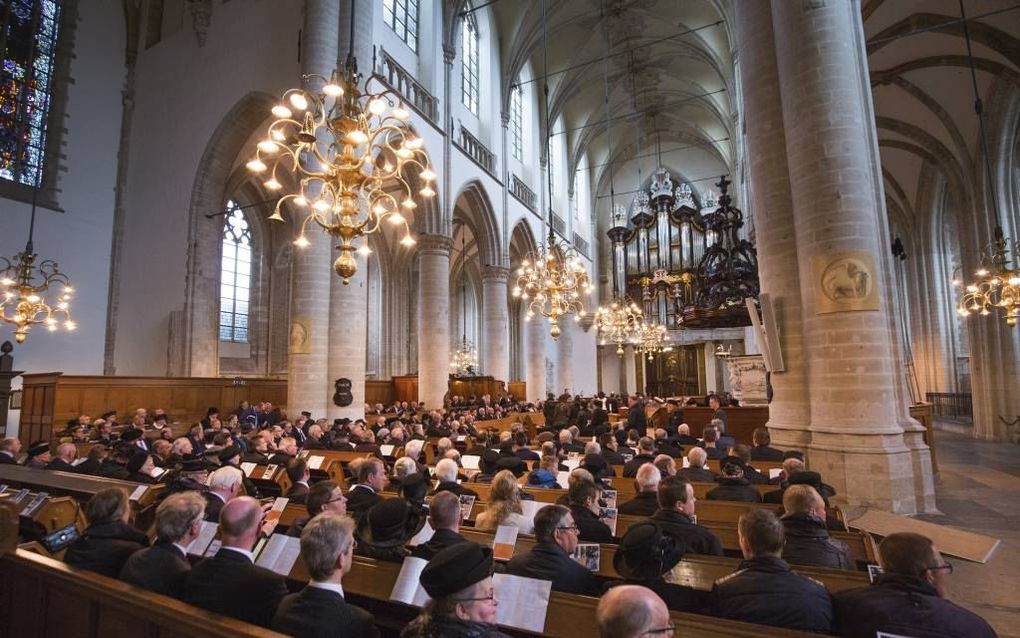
<point>469,63</point>
<point>402,17</point>
<point>235,276</point>
<point>29,42</point>
<point>517,123</point>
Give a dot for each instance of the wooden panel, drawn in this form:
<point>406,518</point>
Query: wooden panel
<point>519,389</point>
<point>378,391</point>
<point>405,388</point>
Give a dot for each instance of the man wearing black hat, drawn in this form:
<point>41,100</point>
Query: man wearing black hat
<point>384,530</point>
<point>463,604</point>
<point>644,555</point>
<point>550,559</point>
<point>136,437</point>
<point>320,609</point>
<point>676,517</point>
<point>115,464</point>
<point>732,486</point>
<point>140,467</point>
<point>39,455</point>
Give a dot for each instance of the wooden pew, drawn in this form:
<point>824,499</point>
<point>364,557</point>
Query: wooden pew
<point>52,513</point>
<point>333,468</point>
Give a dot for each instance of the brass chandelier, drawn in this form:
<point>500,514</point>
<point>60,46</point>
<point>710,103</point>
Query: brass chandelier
<point>350,150</point>
<point>653,338</point>
<point>997,286</point>
<point>25,295</point>
<point>552,279</point>
<point>465,359</point>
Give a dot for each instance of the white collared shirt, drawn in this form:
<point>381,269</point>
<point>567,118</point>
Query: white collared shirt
<point>367,487</point>
<point>219,496</point>
<point>182,549</point>
<point>334,587</point>
<point>245,552</point>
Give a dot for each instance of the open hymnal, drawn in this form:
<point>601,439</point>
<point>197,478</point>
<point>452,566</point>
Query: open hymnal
<point>213,548</point>
<point>775,473</point>
<point>523,602</point>
<point>572,463</point>
<point>280,553</point>
<point>504,541</point>
<point>588,554</point>
<point>408,589</point>
<point>608,516</point>
<point>275,512</point>
<point>247,468</point>
<point>609,498</point>
<point>530,508</point>
<point>386,450</point>
<point>138,492</point>
<point>423,536</point>
<point>470,462</point>
<point>205,537</point>
<point>315,462</point>
<point>466,503</point>
<point>686,462</point>
<point>157,472</point>
<point>36,502</point>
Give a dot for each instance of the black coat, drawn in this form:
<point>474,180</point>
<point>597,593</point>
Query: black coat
<point>808,543</point>
<point>88,466</point>
<point>429,626</point>
<point>664,446</point>
<point>440,540</point>
<point>60,465</point>
<point>697,475</point>
<point>7,459</point>
<point>715,453</point>
<point>765,591</point>
<point>456,488</point>
<point>548,561</point>
<point>112,469</point>
<point>229,584</point>
<point>754,477</point>
<point>677,597</point>
<point>766,453</point>
<point>213,505</point>
<point>104,548</point>
<point>613,458</point>
<point>297,493</point>
<point>320,613</point>
<point>636,418</point>
<point>631,467</point>
<point>160,568</point>
<point>733,489</point>
<point>690,537</point>
<point>904,605</point>
<point>590,528</point>
<point>360,500</point>
<point>643,504</point>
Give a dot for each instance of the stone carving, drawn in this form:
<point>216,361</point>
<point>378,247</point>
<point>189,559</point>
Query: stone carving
<point>846,283</point>
<point>662,183</point>
<point>300,336</point>
<point>201,18</point>
<point>747,379</point>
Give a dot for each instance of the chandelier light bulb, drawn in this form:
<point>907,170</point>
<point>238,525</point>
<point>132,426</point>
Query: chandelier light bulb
<point>356,137</point>
<point>407,241</point>
<point>396,219</point>
<point>427,192</point>
<point>7,282</point>
<point>364,250</point>
<point>256,166</point>
<point>268,146</point>
<point>298,101</point>
<point>427,175</point>
<point>272,184</point>
<point>302,242</point>
<point>333,90</point>
<point>401,113</point>
<point>281,112</point>
<point>321,205</point>
<point>377,106</point>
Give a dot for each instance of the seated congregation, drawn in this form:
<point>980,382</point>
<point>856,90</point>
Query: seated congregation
<point>652,531</point>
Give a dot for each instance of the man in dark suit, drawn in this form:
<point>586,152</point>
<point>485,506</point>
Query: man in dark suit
<point>718,412</point>
<point>763,450</point>
<point>683,436</point>
<point>163,567</point>
<point>664,445</point>
<point>609,446</point>
<point>315,440</point>
<point>224,485</point>
<point>230,583</point>
<point>371,476</point>
<point>636,417</point>
<point>444,517</point>
<point>66,453</point>
<point>9,450</point>
<point>550,559</point>
<point>320,609</point>
<point>297,472</point>
<point>710,443</point>
<point>583,498</point>
<point>646,454</point>
<point>446,473</point>
<point>697,473</point>
<point>287,450</point>
<point>676,516</point>
<point>646,499</point>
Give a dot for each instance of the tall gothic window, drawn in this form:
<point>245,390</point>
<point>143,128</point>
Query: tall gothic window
<point>235,276</point>
<point>517,122</point>
<point>28,39</point>
<point>402,17</point>
<point>469,64</point>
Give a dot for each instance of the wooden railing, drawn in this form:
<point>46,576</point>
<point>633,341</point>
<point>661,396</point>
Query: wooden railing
<point>477,151</point>
<point>403,82</point>
<point>523,194</point>
<point>951,405</point>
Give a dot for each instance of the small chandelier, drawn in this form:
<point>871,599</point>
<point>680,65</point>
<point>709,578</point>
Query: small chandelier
<point>350,150</point>
<point>652,339</point>
<point>997,286</point>
<point>620,322</point>
<point>25,295</point>
<point>465,359</point>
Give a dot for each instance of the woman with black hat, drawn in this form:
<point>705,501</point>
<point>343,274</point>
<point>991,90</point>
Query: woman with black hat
<point>644,556</point>
<point>463,605</point>
<point>384,530</point>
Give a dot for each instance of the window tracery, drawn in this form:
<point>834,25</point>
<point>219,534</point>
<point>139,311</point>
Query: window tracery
<point>235,276</point>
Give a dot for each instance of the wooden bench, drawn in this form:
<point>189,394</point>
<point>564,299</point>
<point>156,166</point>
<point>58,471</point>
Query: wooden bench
<point>52,513</point>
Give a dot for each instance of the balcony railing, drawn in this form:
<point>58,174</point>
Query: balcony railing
<point>559,225</point>
<point>477,151</point>
<point>581,244</point>
<point>523,194</point>
<point>401,81</point>
<point>951,405</point>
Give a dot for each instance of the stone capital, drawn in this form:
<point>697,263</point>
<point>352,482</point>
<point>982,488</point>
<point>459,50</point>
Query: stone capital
<point>449,55</point>
<point>504,118</point>
<point>434,244</point>
<point>498,274</point>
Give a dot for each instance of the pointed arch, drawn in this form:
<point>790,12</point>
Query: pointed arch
<point>473,205</point>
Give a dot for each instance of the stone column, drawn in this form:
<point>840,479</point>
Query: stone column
<point>348,340</point>
<point>307,378</point>
<point>849,354</point>
<point>496,322</point>
<point>628,372</point>
<point>433,318</point>
<point>535,378</point>
<point>772,210</point>
<point>564,356</point>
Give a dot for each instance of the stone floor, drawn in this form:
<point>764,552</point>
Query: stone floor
<point>978,489</point>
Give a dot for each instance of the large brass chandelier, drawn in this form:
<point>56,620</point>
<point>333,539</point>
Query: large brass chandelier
<point>351,153</point>
<point>25,295</point>
<point>997,286</point>
<point>464,361</point>
<point>653,338</point>
<point>553,279</point>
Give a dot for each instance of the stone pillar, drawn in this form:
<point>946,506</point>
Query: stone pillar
<point>628,372</point>
<point>848,352</point>
<point>348,340</point>
<point>711,372</point>
<point>307,378</point>
<point>536,359</point>
<point>564,356</point>
<point>772,211</point>
<point>496,322</point>
<point>433,318</point>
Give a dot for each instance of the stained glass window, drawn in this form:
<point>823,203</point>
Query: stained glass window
<point>517,123</point>
<point>28,42</point>
<point>402,17</point>
<point>469,64</point>
<point>235,276</point>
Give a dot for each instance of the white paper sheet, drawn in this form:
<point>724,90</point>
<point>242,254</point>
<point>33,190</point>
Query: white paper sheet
<point>280,554</point>
<point>530,508</point>
<point>205,537</point>
<point>572,464</point>
<point>470,462</point>
<point>386,450</point>
<point>523,602</point>
<point>139,491</point>
<point>423,536</point>
<point>214,547</point>
<point>315,462</point>
<point>504,541</point>
<point>775,472</point>
<point>408,589</point>
<point>563,478</point>
<point>247,468</point>
<point>687,462</point>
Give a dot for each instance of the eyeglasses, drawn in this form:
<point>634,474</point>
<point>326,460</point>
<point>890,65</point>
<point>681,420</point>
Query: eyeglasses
<point>490,598</point>
<point>334,500</point>
<point>947,566</point>
<point>664,631</point>
<point>569,528</point>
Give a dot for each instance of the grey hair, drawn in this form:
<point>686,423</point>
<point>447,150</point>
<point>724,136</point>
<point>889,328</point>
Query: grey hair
<point>176,514</point>
<point>324,539</point>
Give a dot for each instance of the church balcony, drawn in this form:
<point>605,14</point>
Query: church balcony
<point>581,245</point>
<point>400,80</point>
<point>523,194</point>
<point>477,151</point>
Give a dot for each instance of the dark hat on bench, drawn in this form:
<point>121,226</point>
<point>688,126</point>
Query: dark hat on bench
<point>511,463</point>
<point>136,462</point>
<point>455,569</point>
<point>645,553</point>
<point>805,477</point>
<point>390,523</point>
<point>37,448</point>
<point>414,487</point>
<point>131,434</point>
<point>228,453</point>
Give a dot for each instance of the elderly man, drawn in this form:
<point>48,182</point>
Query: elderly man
<point>807,538</point>
<point>162,453</point>
<point>632,611</point>
<point>315,441</point>
<point>320,609</point>
<point>285,451</point>
<point>697,473</point>
<point>62,462</point>
<point>550,559</point>
<point>666,464</point>
<point>38,455</point>
<point>444,518</point>
<point>230,583</point>
<point>371,477</point>
<point>224,485</point>
<point>646,498</point>
<point>909,598</point>
<point>446,473</point>
<point>163,567</point>
<point>182,449</point>
<point>683,436</point>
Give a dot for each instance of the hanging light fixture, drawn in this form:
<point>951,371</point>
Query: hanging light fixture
<point>465,359</point>
<point>997,283</point>
<point>350,150</point>
<point>653,338</point>
<point>553,279</point>
<point>620,320</point>
<point>25,295</point>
